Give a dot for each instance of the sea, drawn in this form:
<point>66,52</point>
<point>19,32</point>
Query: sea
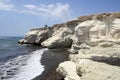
<point>27,62</point>
<point>19,62</point>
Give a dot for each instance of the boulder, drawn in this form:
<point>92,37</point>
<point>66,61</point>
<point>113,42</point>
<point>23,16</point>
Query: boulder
<point>68,70</point>
<point>21,41</point>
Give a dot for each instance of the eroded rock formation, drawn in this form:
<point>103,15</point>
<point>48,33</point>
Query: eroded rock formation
<point>36,36</point>
<point>85,31</point>
<point>59,39</point>
<point>57,36</point>
<point>96,63</point>
<point>95,32</point>
<point>96,41</point>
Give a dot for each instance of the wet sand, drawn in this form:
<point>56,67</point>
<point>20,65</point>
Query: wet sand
<point>51,59</point>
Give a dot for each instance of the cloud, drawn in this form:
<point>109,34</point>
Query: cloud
<point>57,10</point>
<point>54,11</point>
<point>6,5</point>
<point>30,6</point>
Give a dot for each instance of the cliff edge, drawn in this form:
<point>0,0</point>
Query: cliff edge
<point>94,41</point>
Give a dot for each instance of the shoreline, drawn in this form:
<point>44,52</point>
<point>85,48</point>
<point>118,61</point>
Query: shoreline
<point>50,75</point>
<point>88,38</point>
<point>50,60</point>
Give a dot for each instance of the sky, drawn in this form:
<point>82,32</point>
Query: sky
<point>19,16</point>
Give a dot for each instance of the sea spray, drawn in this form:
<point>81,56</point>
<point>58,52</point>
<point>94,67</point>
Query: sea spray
<point>32,67</point>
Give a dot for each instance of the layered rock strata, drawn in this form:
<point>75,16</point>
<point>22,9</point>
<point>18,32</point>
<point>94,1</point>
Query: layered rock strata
<point>96,41</point>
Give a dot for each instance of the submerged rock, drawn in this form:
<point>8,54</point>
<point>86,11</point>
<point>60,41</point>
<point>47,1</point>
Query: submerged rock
<point>21,41</point>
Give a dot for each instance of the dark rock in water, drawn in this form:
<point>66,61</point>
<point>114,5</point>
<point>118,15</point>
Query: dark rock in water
<point>13,69</point>
<point>10,73</point>
<point>5,77</point>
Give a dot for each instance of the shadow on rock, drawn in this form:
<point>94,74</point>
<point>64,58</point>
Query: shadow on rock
<point>108,60</point>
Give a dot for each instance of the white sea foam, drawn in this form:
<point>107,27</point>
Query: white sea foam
<point>32,68</point>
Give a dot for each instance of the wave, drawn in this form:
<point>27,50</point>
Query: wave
<point>3,37</point>
<point>24,67</point>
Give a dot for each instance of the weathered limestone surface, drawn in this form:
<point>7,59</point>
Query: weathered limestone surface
<point>89,70</point>
<point>59,39</point>
<point>86,31</point>
<point>68,70</point>
<point>104,32</point>
<point>57,36</point>
<point>96,41</point>
<point>36,36</point>
<point>97,63</point>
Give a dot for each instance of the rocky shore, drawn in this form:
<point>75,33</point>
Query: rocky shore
<point>93,41</point>
<point>50,60</point>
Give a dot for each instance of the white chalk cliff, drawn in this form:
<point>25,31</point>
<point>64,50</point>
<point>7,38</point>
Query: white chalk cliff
<point>96,41</point>
<point>59,39</point>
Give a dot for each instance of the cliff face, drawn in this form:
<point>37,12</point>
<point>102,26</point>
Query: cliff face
<point>57,36</point>
<point>96,42</point>
<point>90,29</point>
<point>95,39</point>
